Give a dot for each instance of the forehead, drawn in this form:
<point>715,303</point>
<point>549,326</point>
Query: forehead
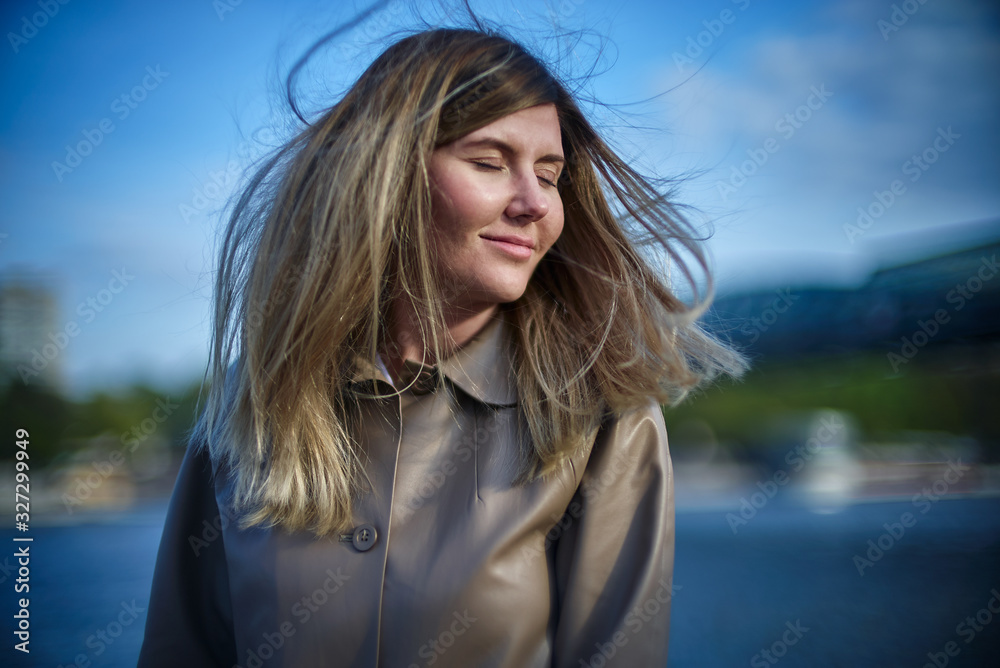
<point>535,129</point>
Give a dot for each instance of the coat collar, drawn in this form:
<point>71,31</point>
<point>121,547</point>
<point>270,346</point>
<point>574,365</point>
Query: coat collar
<point>483,368</point>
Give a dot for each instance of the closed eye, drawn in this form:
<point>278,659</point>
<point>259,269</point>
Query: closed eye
<point>551,182</point>
<point>487,165</point>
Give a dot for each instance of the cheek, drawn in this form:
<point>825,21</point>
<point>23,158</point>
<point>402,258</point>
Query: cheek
<point>553,228</point>
<point>454,208</point>
<point>443,213</point>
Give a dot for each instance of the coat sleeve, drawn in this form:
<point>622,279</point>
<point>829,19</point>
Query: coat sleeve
<point>614,560</point>
<point>189,621</point>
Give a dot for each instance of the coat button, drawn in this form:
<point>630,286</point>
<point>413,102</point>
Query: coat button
<point>364,537</point>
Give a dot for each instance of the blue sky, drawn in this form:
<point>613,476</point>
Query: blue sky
<point>879,95</point>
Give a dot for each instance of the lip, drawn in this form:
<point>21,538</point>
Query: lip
<point>512,244</point>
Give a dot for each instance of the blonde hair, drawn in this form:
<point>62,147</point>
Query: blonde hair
<point>335,226</point>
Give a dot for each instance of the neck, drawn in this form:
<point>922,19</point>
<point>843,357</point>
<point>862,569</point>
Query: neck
<point>404,333</point>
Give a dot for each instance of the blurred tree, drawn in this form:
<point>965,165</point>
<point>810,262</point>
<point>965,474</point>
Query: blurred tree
<point>930,394</point>
<point>58,426</point>
<point>39,410</point>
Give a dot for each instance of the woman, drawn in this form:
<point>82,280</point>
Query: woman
<point>439,439</point>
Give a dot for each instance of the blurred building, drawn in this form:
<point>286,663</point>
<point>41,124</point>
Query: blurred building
<point>944,298</point>
<point>30,348</point>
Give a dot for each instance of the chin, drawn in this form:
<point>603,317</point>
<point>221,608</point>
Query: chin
<point>498,295</point>
<point>510,293</point>
<point>493,290</point>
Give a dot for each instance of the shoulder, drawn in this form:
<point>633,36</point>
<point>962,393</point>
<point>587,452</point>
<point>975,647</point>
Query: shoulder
<point>641,423</point>
<point>634,441</point>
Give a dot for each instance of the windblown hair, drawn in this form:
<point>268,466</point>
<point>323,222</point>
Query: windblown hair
<point>336,225</point>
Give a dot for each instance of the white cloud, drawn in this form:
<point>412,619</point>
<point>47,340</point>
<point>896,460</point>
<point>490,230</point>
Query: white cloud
<point>888,100</point>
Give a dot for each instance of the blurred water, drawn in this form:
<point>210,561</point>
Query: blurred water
<point>86,579</point>
<point>789,564</point>
<point>736,595</point>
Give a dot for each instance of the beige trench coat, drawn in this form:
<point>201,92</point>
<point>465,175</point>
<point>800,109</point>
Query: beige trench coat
<point>448,564</point>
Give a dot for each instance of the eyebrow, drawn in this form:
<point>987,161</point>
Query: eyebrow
<point>507,148</point>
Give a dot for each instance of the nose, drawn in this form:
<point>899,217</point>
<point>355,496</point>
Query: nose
<point>528,202</point>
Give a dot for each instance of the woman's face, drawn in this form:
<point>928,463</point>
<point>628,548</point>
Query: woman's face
<point>496,208</point>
